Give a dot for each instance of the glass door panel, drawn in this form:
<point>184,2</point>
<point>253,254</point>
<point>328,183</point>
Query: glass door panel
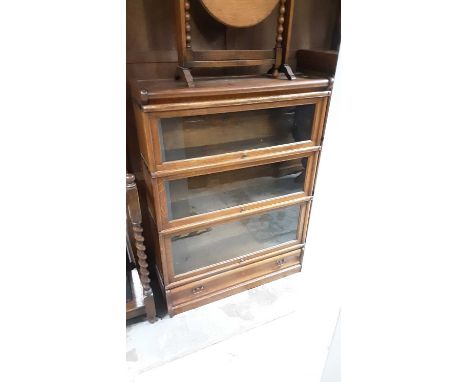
<point>212,245</point>
<point>207,193</point>
<point>199,136</point>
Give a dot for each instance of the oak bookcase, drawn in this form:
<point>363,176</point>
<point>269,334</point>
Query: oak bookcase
<point>229,167</point>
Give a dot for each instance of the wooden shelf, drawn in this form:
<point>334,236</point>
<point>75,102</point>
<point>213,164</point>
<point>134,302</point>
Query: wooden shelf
<point>164,90</point>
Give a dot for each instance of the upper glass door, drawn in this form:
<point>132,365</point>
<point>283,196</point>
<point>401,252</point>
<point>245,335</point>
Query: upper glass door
<point>200,136</point>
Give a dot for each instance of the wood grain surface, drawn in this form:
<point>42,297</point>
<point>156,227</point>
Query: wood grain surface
<point>240,13</point>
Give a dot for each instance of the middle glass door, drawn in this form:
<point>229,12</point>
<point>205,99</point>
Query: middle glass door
<point>206,193</point>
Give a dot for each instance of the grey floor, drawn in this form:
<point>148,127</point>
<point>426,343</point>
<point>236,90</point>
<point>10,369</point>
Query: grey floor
<point>284,330</point>
<point>332,369</point>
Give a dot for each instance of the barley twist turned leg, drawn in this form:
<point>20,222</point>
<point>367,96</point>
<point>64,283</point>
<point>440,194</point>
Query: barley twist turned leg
<point>144,273</point>
<point>135,219</point>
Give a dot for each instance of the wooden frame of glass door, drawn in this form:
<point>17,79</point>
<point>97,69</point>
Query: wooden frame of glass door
<point>151,149</point>
<point>167,224</point>
<point>241,260</point>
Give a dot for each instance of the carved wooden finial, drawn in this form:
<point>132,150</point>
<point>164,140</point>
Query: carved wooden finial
<point>188,36</point>
<point>144,96</point>
<point>130,180</point>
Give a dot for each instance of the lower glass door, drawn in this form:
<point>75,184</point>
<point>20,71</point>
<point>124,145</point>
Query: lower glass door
<point>207,246</point>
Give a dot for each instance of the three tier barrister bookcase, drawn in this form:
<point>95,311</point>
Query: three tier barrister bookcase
<point>229,168</point>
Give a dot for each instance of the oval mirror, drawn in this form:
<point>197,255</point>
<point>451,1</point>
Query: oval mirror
<point>240,13</point>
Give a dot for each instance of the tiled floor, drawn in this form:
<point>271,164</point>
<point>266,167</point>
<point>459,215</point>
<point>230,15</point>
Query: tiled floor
<point>281,330</point>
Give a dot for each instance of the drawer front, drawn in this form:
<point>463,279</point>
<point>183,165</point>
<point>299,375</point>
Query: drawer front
<point>213,284</point>
<point>221,243</point>
<point>207,193</point>
<point>191,137</point>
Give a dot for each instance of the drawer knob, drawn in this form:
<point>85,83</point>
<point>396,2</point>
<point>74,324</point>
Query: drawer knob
<point>279,262</point>
<point>198,289</point>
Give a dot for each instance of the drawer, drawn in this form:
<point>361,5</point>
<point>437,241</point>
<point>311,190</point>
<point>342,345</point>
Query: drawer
<point>190,137</point>
<point>206,287</point>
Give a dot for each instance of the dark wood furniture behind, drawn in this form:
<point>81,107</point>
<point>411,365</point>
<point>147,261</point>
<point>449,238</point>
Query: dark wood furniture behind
<point>140,299</point>
<point>229,168</point>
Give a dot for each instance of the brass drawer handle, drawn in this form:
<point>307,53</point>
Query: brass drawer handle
<point>198,289</point>
<point>279,262</point>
